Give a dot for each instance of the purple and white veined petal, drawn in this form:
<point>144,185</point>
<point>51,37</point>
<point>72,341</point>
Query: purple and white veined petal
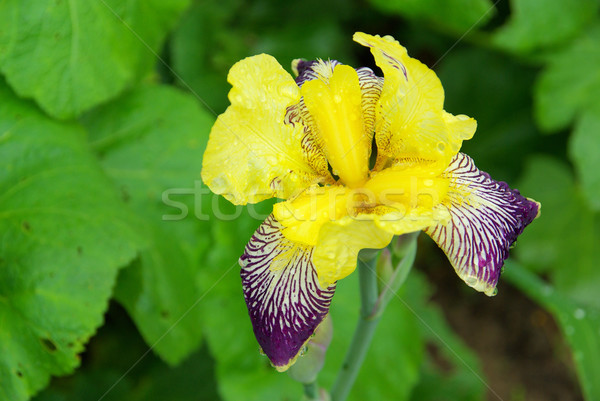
<point>487,216</point>
<point>282,292</point>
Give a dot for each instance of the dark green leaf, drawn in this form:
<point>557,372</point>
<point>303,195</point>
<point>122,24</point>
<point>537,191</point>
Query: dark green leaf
<point>496,92</point>
<point>64,237</point>
<point>541,23</point>
<point>460,376</point>
<point>564,239</point>
<point>460,15</point>
<point>72,55</point>
<point>584,146</point>
<point>207,43</point>
<point>570,83</point>
<point>151,143</point>
<point>580,324</point>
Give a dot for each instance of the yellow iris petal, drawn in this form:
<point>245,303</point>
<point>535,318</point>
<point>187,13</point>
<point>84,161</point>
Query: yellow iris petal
<point>411,125</point>
<point>337,111</point>
<point>251,154</point>
<point>340,241</point>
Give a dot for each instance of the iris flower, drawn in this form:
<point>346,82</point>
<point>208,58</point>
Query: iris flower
<point>357,159</point>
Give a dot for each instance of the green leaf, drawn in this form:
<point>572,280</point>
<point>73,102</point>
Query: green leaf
<point>570,83</point>
<point>391,367</point>
<point>467,91</point>
<point>580,324</point>
<point>583,148</point>
<point>564,239</point>
<point>64,237</point>
<point>114,351</point>
<point>541,23</point>
<point>151,143</point>
<point>241,372</point>
<point>459,15</point>
<point>460,377</point>
<point>207,42</point>
<point>72,55</point>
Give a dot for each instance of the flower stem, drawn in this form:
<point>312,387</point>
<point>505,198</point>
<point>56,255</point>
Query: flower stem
<point>373,301</point>
<point>363,334</point>
<point>311,390</point>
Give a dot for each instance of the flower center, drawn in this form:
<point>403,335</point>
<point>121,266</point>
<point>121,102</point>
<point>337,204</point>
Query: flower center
<point>337,112</point>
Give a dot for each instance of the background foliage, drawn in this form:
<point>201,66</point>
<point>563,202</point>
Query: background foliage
<point>115,274</point>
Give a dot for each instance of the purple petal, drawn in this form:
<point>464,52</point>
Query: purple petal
<point>487,216</point>
<point>282,292</point>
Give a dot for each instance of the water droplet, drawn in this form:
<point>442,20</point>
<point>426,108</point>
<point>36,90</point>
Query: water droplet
<point>441,146</point>
<point>547,290</point>
<point>579,314</point>
<point>471,280</point>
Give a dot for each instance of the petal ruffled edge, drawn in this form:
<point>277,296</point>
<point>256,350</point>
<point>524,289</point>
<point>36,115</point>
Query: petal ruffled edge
<point>285,301</point>
<point>252,154</point>
<point>411,125</point>
<point>487,216</point>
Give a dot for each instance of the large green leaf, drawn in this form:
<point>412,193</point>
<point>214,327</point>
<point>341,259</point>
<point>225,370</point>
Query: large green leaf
<point>64,237</point>
<point>563,241</point>
<point>580,324</point>
<point>72,55</point>
<point>540,23</point>
<point>584,146</point>
<point>114,350</point>
<point>151,143</point>
<point>570,83</point>
<point>460,15</point>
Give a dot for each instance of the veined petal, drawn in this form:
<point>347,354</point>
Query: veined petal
<point>411,125</point>
<point>486,219</point>
<point>285,301</point>
<point>252,154</point>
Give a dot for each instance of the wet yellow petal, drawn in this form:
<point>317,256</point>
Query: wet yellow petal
<point>335,254</point>
<point>251,154</point>
<point>304,215</point>
<point>411,125</point>
<point>336,108</point>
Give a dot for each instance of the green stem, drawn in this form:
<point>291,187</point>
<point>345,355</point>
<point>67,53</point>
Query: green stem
<point>311,390</point>
<point>363,333</point>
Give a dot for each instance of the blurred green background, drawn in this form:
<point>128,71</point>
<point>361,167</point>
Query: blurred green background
<point>118,283</point>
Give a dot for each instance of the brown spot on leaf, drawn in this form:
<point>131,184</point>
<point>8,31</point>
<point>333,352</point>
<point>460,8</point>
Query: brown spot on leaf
<point>48,344</point>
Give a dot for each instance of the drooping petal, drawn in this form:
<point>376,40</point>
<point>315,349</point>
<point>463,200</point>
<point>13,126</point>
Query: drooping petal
<point>335,255</point>
<point>486,218</point>
<point>411,125</point>
<point>252,154</point>
<point>285,301</point>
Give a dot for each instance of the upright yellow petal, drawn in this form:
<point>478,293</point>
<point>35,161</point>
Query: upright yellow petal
<point>411,125</point>
<point>252,154</point>
<point>336,108</point>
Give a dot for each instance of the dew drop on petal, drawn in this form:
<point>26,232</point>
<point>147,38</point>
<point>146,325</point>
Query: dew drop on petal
<point>579,314</point>
<point>337,98</point>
